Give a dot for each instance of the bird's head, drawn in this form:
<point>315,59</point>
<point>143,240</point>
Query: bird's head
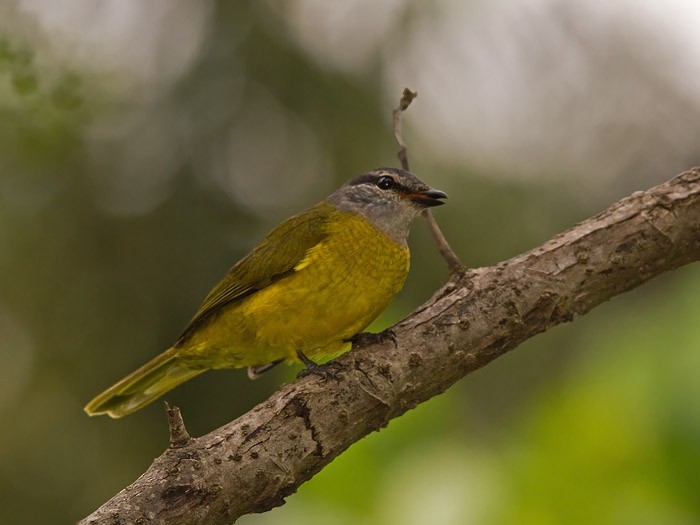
<point>389,198</point>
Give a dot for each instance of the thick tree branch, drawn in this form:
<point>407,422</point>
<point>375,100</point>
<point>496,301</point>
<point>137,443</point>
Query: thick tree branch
<point>253,463</point>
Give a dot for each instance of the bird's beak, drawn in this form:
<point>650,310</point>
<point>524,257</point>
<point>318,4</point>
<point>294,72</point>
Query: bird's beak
<point>428,198</point>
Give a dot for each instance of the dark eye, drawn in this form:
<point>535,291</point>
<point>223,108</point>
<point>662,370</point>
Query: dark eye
<point>385,182</point>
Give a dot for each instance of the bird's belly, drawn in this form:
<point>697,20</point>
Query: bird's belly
<point>327,301</point>
<point>339,288</point>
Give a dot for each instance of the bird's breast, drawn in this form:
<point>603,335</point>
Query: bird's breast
<point>340,286</point>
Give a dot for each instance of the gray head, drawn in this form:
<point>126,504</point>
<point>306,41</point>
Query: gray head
<point>389,198</point>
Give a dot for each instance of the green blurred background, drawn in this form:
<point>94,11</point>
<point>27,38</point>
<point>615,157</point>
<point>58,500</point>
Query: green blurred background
<point>146,146</point>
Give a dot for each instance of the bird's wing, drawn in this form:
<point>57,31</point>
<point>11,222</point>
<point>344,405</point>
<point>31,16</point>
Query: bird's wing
<point>273,259</point>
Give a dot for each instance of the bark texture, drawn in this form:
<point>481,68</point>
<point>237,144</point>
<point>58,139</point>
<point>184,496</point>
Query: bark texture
<point>253,463</point>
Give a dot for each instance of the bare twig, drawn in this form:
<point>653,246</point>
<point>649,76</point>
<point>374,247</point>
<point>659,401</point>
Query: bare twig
<point>453,262</point>
<point>406,99</point>
<point>253,463</point>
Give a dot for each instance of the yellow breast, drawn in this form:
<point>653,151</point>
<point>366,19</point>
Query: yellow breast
<point>339,287</point>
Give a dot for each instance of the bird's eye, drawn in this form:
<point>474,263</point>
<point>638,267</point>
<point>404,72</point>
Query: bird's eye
<point>385,182</point>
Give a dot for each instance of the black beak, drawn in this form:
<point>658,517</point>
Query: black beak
<point>428,198</point>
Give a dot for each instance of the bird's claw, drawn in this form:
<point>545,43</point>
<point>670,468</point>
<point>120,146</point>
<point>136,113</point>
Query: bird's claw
<point>326,371</point>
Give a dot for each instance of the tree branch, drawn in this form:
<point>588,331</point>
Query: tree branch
<point>253,463</point>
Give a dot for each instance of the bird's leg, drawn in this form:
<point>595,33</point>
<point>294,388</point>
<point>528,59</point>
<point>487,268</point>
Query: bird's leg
<point>307,362</point>
<point>313,367</point>
<point>368,338</point>
<point>254,372</point>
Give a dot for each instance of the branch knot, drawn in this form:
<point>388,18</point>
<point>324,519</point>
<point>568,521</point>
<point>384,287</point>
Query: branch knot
<point>179,437</point>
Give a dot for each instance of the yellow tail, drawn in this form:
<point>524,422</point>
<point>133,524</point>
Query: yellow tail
<point>139,388</point>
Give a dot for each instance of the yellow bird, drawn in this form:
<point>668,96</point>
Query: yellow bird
<point>313,283</point>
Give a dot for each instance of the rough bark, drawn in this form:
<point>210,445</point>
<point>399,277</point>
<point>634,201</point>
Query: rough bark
<point>253,463</point>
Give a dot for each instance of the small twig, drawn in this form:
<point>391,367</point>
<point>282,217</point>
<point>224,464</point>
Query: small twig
<point>179,437</point>
<point>406,99</point>
<point>453,262</point>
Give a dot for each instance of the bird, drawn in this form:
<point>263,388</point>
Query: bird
<point>302,295</point>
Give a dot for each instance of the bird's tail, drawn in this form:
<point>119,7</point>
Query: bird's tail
<point>143,386</point>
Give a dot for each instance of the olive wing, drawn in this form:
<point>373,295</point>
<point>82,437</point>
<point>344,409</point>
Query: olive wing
<point>273,259</point>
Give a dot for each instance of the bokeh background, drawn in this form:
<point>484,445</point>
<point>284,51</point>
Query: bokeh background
<point>146,146</point>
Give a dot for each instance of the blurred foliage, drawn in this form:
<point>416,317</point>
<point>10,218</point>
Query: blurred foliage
<point>125,195</point>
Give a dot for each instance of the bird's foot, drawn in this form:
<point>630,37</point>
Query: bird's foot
<point>368,338</point>
<point>327,371</point>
